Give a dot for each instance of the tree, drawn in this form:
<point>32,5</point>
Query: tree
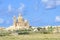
<point>50,29</point>
<point>39,28</point>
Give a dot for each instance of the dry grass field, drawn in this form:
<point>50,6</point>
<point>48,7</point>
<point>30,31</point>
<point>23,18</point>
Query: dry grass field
<point>36,36</point>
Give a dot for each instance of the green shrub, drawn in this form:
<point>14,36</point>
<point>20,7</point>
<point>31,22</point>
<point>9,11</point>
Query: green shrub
<point>25,31</point>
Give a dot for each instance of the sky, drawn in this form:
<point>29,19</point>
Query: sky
<point>37,12</point>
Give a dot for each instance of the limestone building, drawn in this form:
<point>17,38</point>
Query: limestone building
<point>19,23</point>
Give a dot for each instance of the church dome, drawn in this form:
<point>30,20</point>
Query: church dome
<point>20,18</point>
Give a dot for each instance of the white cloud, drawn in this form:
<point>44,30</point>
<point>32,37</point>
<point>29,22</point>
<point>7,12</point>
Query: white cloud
<point>57,2</point>
<point>44,1</point>
<point>21,8</point>
<point>49,6</point>
<point>51,3</point>
<point>1,20</point>
<point>57,19</point>
<point>9,8</point>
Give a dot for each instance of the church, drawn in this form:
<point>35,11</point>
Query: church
<point>19,23</point>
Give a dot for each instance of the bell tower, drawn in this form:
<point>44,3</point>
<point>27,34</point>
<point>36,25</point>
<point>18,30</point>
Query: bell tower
<point>20,20</point>
<point>14,21</point>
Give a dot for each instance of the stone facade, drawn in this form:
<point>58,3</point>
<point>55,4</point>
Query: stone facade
<point>19,23</point>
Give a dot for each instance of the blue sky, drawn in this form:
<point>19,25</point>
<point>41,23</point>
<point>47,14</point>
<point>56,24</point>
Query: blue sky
<point>37,12</point>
